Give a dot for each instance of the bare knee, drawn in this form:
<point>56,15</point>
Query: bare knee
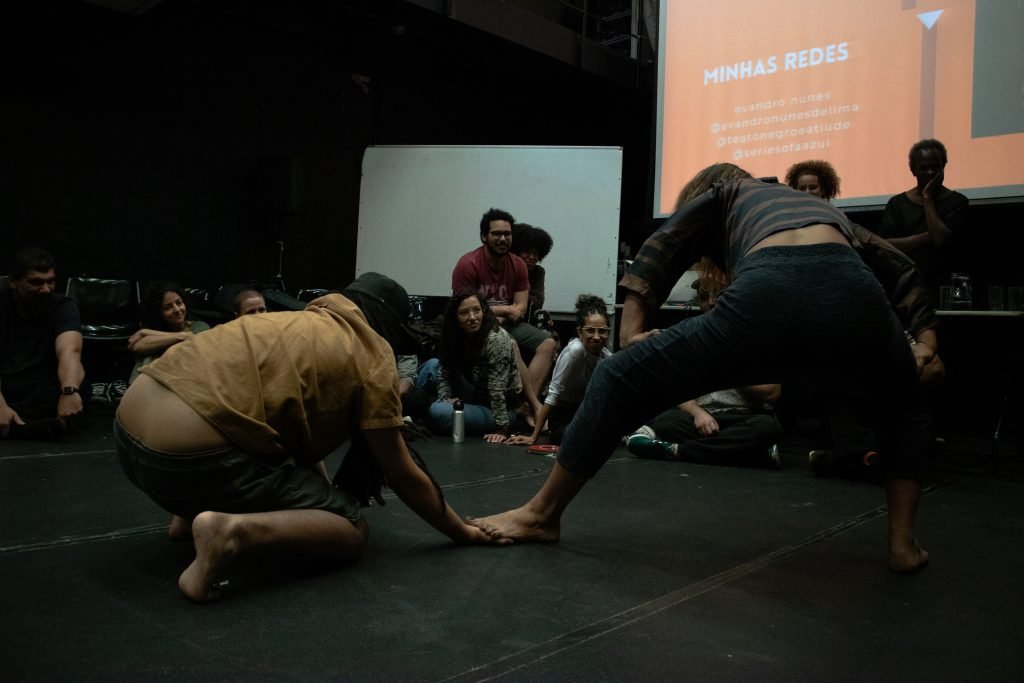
<point>546,347</point>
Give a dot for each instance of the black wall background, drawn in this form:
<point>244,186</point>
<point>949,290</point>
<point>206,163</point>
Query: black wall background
<point>185,142</point>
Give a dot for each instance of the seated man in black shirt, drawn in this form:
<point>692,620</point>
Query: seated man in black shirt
<point>40,350</point>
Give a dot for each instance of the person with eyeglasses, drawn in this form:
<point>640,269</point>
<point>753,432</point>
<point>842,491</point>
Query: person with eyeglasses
<point>479,365</point>
<point>573,370</point>
<point>503,281</point>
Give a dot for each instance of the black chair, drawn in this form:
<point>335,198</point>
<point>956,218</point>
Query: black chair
<point>282,301</point>
<point>307,295</point>
<point>110,314</point>
<point>109,308</point>
<point>202,306</point>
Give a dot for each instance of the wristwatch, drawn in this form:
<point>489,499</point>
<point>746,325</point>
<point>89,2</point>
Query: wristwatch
<point>67,391</point>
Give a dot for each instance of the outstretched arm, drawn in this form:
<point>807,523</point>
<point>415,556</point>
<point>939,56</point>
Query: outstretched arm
<point>415,489</point>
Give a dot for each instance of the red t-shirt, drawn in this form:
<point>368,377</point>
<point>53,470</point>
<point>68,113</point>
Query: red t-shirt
<point>498,288</point>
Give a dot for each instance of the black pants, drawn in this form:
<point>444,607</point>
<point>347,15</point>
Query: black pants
<point>742,438</point>
<point>791,313</point>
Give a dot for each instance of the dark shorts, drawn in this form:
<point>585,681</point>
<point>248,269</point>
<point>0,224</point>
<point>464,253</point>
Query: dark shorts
<point>527,336</point>
<point>227,480</point>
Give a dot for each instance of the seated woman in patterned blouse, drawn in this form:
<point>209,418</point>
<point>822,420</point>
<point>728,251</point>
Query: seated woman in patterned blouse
<point>479,365</point>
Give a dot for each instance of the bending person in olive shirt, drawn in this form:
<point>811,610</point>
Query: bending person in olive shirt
<point>228,433</point>
<point>801,305</point>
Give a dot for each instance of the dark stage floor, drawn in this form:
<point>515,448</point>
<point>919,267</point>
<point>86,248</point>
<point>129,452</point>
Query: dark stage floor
<point>666,571</point>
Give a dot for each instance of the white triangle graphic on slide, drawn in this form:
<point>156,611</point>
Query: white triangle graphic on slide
<point>929,18</point>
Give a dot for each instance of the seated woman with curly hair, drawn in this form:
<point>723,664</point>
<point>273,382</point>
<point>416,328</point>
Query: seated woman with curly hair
<point>814,177</point>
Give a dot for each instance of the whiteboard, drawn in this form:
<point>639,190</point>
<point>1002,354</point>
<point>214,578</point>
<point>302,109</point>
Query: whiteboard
<point>420,209</point>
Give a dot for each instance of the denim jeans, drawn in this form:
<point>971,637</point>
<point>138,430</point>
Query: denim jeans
<point>815,313</point>
<point>479,418</point>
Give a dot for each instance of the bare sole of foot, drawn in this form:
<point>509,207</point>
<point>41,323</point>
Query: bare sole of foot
<point>216,547</point>
<point>180,528</point>
<point>908,558</point>
<point>520,525</point>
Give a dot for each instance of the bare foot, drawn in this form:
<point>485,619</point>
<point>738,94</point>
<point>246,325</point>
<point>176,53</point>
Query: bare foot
<point>907,557</point>
<point>217,542</point>
<point>180,528</point>
<point>521,525</point>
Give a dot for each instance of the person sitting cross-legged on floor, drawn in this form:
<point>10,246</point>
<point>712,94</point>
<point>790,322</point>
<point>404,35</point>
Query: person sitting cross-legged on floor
<point>731,426</point>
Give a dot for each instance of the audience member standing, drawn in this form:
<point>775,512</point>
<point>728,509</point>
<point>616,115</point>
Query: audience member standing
<point>923,221</point>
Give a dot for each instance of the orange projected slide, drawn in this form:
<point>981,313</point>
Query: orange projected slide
<point>765,85</point>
